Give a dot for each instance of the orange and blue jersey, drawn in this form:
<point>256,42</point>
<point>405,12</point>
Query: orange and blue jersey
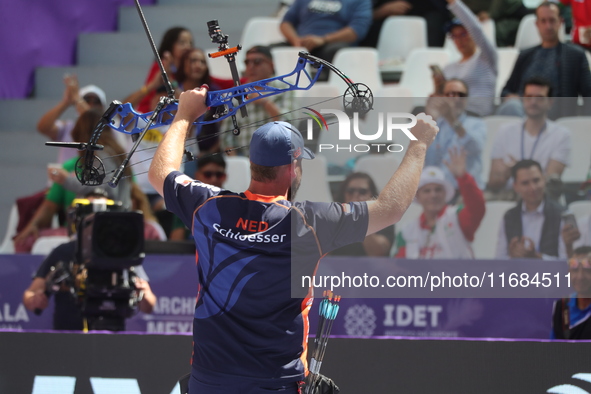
<point>247,325</point>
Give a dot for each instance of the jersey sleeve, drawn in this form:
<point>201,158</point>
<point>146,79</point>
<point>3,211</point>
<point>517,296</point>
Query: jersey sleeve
<point>183,195</point>
<point>337,224</point>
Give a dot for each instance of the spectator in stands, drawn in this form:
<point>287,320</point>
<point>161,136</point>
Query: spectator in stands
<point>456,129</point>
<point>324,27</point>
<point>174,43</point>
<point>359,186</point>
<point>259,65</point>
<point>532,229</point>
<point>83,99</point>
<point>537,138</point>
<point>571,317</point>
<point>443,231</point>
<point>67,314</point>
<point>65,186</point>
<point>211,169</point>
<point>564,65</point>
<point>505,14</point>
<point>581,15</point>
<point>433,11</point>
<point>477,68</point>
<point>193,73</point>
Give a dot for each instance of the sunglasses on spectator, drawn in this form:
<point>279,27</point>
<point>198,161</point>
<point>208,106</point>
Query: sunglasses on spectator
<point>455,94</point>
<point>574,263</point>
<point>255,62</point>
<point>211,174</point>
<point>92,100</point>
<point>359,190</point>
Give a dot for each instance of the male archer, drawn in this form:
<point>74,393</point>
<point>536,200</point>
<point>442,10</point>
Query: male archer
<point>250,335</point>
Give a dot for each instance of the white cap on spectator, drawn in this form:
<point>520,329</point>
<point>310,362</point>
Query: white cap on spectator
<point>433,174</point>
<point>100,93</point>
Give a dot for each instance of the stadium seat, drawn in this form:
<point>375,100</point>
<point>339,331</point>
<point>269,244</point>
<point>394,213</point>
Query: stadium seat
<point>44,245</point>
<point>485,239</point>
<point>580,208</point>
<point>285,60</point>
<point>492,123</point>
<point>262,30</point>
<point>359,65</point>
<point>238,170</point>
<point>579,127</point>
<point>507,58</point>
<point>416,75</point>
<point>314,186</point>
<point>380,167</point>
<point>399,35</point>
<point>7,246</point>
<point>219,67</point>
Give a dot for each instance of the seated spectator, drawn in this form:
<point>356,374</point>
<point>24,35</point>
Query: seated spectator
<point>359,186</point>
<point>443,231</point>
<point>433,11</point>
<point>478,65</point>
<point>571,317</point>
<point>533,228</point>
<point>537,138</point>
<point>66,187</point>
<point>67,314</point>
<point>211,170</point>
<point>456,129</point>
<point>175,42</point>
<point>259,66</point>
<point>564,65</point>
<point>50,125</point>
<point>193,73</point>
<point>324,27</point>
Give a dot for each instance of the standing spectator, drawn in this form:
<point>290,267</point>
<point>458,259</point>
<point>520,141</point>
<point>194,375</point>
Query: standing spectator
<point>571,317</point>
<point>564,65</point>
<point>532,229</point>
<point>259,66</point>
<point>324,27</point>
<point>175,42</point>
<point>443,231</point>
<point>359,186</point>
<point>537,138</point>
<point>456,130</point>
<point>478,66</point>
<point>50,125</point>
<point>581,30</point>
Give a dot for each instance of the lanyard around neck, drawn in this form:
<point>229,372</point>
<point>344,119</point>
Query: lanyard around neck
<point>533,149</point>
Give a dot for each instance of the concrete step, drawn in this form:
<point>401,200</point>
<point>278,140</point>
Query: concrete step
<point>117,81</point>
<point>23,115</point>
<point>114,48</point>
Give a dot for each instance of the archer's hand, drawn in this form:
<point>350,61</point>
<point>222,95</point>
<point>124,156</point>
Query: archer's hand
<point>192,103</point>
<point>426,129</point>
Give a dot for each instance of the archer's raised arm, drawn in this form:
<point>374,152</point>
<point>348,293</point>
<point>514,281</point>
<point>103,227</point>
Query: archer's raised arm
<point>400,190</point>
<point>169,155</point>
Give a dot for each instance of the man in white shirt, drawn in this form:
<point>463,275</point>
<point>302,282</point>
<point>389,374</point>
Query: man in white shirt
<point>537,138</point>
<point>532,229</point>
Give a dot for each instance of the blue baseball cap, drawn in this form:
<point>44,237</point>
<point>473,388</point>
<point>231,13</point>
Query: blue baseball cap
<point>277,144</point>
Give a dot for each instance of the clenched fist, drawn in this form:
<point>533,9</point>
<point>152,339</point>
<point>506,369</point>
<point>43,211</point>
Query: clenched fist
<point>426,129</point>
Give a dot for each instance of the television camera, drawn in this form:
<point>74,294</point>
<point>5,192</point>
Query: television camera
<point>101,277</point>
